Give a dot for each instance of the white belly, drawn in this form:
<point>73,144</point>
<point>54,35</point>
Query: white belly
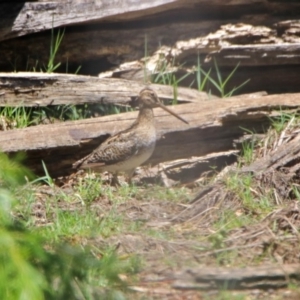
<point>133,162</point>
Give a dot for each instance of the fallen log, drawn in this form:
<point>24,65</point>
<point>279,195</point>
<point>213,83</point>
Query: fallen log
<point>119,43</point>
<point>42,89</point>
<point>229,44</point>
<point>250,46</point>
<point>213,127</point>
<point>21,18</point>
<point>259,277</point>
<point>99,37</point>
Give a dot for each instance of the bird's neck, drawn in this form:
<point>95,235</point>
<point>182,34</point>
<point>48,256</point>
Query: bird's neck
<point>145,115</point>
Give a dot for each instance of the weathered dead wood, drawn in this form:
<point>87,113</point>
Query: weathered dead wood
<point>123,43</point>
<point>250,46</point>
<point>266,38</point>
<point>29,17</point>
<point>253,95</point>
<point>188,171</point>
<point>260,55</point>
<point>259,277</point>
<point>213,126</point>
<point>98,43</point>
<point>186,40</point>
<point>237,42</point>
<point>42,89</point>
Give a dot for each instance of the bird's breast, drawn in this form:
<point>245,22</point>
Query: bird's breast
<point>141,156</point>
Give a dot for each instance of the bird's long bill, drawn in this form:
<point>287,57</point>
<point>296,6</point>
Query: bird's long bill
<point>172,113</point>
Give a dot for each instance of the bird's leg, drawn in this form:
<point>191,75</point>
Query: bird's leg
<point>115,180</point>
<point>130,175</point>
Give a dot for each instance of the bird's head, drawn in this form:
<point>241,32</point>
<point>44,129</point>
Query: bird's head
<point>148,98</point>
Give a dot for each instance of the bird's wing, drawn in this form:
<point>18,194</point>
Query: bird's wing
<point>115,149</point>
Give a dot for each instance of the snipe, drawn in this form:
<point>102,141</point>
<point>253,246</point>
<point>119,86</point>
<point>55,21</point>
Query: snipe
<point>129,148</point>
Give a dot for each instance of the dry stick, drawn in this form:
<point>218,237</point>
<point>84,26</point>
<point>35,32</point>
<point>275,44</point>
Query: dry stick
<point>282,135</point>
<point>292,226</point>
<point>229,249</point>
<point>244,235</point>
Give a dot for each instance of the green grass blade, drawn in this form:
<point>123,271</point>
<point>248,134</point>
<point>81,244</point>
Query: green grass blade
<point>236,88</point>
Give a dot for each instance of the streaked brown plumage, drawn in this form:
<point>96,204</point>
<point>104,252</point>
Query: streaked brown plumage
<point>129,148</point>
